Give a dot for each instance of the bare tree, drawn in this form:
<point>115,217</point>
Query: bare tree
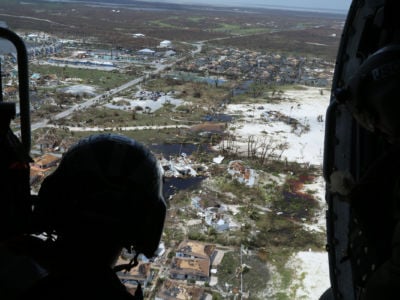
<point>257,88</point>
<point>264,149</point>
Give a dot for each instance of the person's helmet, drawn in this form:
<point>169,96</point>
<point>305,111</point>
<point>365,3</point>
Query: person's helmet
<point>373,92</point>
<point>106,186</point>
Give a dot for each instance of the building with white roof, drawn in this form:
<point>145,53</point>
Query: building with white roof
<point>165,44</point>
<point>146,51</point>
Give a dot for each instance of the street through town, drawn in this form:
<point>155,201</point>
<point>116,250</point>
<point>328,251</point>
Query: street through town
<point>97,99</point>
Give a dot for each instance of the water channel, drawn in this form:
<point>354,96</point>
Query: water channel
<point>172,184</point>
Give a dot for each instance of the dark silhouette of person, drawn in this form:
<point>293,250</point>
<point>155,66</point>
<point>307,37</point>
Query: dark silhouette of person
<point>105,195</point>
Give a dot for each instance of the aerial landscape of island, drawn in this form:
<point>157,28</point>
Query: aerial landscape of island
<point>232,102</point>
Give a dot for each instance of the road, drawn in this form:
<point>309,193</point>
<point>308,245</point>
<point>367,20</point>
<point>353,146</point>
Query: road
<point>97,99</point>
<point>36,19</point>
<point>126,128</point>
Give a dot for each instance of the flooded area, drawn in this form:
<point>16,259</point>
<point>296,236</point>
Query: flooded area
<point>170,150</point>
<point>172,185</point>
<point>218,118</point>
<point>194,77</point>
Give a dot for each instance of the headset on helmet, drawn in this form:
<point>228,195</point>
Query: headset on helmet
<point>107,183</point>
<point>373,92</point>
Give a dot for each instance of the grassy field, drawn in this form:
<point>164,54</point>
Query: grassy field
<point>236,29</point>
<point>144,136</point>
<point>104,79</point>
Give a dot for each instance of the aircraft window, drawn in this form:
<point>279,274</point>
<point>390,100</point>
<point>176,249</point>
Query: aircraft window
<point>231,99</point>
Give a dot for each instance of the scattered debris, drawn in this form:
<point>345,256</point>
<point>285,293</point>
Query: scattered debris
<point>218,159</point>
<point>242,173</point>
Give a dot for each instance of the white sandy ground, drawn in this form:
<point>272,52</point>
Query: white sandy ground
<point>311,268</point>
<point>303,105</point>
<point>312,274</point>
<point>152,104</point>
<point>318,187</point>
<point>80,89</point>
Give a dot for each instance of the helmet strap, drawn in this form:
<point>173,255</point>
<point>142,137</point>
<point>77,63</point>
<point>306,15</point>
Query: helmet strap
<point>133,262</point>
<point>127,267</point>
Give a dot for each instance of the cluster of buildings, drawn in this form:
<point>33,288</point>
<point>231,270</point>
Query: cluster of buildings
<point>191,267</point>
<point>172,290</point>
<point>182,166</point>
<point>217,217</point>
<point>41,44</point>
<point>193,262</point>
<point>37,45</point>
<point>268,67</point>
<point>41,166</point>
<point>113,58</point>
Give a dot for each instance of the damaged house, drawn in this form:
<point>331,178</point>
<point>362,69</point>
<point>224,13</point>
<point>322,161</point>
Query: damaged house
<point>192,261</point>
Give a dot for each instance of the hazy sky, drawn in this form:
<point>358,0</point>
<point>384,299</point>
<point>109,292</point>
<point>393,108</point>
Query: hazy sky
<point>342,5</point>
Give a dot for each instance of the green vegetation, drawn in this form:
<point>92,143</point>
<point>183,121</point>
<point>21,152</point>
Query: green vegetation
<point>278,236</point>
<point>237,29</point>
<point>195,92</point>
<point>255,278</point>
<point>162,24</point>
<point>172,236</point>
<point>195,18</point>
<point>104,79</point>
<point>265,93</point>
<point>244,194</point>
<point>144,136</point>
<point>117,118</point>
<point>216,296</point>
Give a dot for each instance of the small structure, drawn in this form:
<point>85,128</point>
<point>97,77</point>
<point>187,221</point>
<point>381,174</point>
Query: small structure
<point>146,51</point>
<point>10,91</point>
<point>190,269</point>
<point>32,36</point>
<point>161,249</point>
<point>192,261</point>
<point>80,54</point>
<point>35,176</point>
<point>194,249</point>
<point>172,290</point>
<point>169,53</point>
<point>165,44</point>
<point>46,161</point>
<point>141,273</point>
<point>218,159</point>
<point>242,173</point>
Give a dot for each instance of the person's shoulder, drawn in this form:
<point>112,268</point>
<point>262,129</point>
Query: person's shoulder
<point>80,282</point>
<point>19,270</point>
